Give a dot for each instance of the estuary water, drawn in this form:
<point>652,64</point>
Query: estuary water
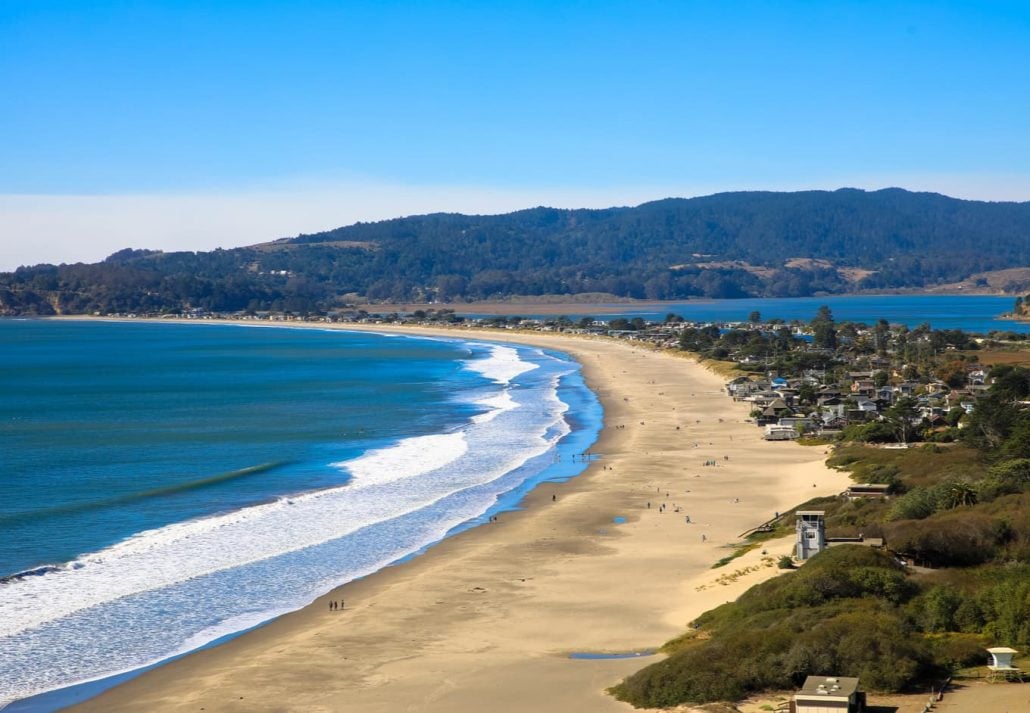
<point>970,313</point>
<point>164,485</point>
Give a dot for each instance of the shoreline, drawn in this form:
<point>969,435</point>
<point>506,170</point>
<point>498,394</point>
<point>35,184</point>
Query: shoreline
<point>499,608</point>
<point>523,474</point>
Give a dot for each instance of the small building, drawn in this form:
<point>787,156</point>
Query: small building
<point>859,539</point>
<point>866,490</point>
<point>1000,668</point>
<point>811,533</point>
<point>776,432</point>
<point>828,694</point>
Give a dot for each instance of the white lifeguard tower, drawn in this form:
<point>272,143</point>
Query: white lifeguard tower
<point>811,533</point>
<point>1000,668</point>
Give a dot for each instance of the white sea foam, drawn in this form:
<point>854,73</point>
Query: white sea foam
<point>497,404</point>
<point>401,498</point>
<point>503,365</point>
<point>410,458</point>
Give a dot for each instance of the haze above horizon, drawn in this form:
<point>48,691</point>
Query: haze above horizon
<point>191,125</point>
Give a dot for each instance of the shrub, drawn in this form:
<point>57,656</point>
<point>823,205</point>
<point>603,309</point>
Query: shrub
<point>876,645</point>
<point>953,539</point>
<point>955,651</point>
<point>913,505</point>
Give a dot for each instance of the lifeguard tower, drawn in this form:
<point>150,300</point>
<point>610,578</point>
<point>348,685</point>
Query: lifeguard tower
<point>811,533</point>
<point>1000,668</point>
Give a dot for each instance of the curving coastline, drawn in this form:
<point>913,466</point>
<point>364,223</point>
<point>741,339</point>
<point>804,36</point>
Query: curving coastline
<point>488,618</point>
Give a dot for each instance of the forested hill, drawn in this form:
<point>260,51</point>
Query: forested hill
<point>724,245</point>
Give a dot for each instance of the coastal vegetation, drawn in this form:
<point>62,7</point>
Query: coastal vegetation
<point>958,514</point>
<point>721,246</point>
<point>842,611</point>
<point>1021,307</point>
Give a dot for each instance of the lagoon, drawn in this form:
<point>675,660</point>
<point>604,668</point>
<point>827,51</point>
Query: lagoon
<point>971,313</point>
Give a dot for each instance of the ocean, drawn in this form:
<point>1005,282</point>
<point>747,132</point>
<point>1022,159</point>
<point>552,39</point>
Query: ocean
<point>165,485</point>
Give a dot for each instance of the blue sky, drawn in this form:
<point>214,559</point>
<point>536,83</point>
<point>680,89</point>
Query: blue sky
<point>195,124</point>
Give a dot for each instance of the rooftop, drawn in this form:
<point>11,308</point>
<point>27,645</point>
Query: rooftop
<point>829,686</point>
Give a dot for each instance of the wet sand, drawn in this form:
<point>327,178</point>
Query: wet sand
<point>486,620</point>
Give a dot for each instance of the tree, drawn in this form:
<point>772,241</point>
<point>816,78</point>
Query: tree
<point>901,416</point>
<point>807,394</point>
<point>956,494</point>
<point>991,422</point>
<point>755,317</point>
<point>881,335</point>
<point>824,332</point>
<point>450,287</point>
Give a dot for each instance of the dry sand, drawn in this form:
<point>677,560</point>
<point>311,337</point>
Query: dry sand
<point>485,621</point>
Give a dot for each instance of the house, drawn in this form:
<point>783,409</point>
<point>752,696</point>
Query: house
<point>866,405</point>
<point>907,388</point>
<point>833,423</point>
<point>863,387</point>
<point>977,375</point>
<point>776,410</point>
<point>793,422</point>
<point>777,432</point>
<point>832,405</point>
<point>828,694</point>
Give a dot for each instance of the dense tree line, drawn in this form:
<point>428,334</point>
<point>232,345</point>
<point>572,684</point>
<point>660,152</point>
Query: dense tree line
<point>722,246</point>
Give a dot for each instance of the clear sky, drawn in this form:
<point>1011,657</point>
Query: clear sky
<point>201,124</point>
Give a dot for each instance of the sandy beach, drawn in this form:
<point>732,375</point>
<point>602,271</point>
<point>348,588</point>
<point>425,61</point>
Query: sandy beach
<point>486,620</point>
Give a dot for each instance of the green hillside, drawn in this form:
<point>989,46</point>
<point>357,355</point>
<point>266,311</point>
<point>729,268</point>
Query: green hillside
<point>720,246</point>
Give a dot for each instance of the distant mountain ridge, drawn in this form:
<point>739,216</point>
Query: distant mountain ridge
<point>720,246</point>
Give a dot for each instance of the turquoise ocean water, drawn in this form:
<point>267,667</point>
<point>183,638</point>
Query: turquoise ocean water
<point>164,485</point>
